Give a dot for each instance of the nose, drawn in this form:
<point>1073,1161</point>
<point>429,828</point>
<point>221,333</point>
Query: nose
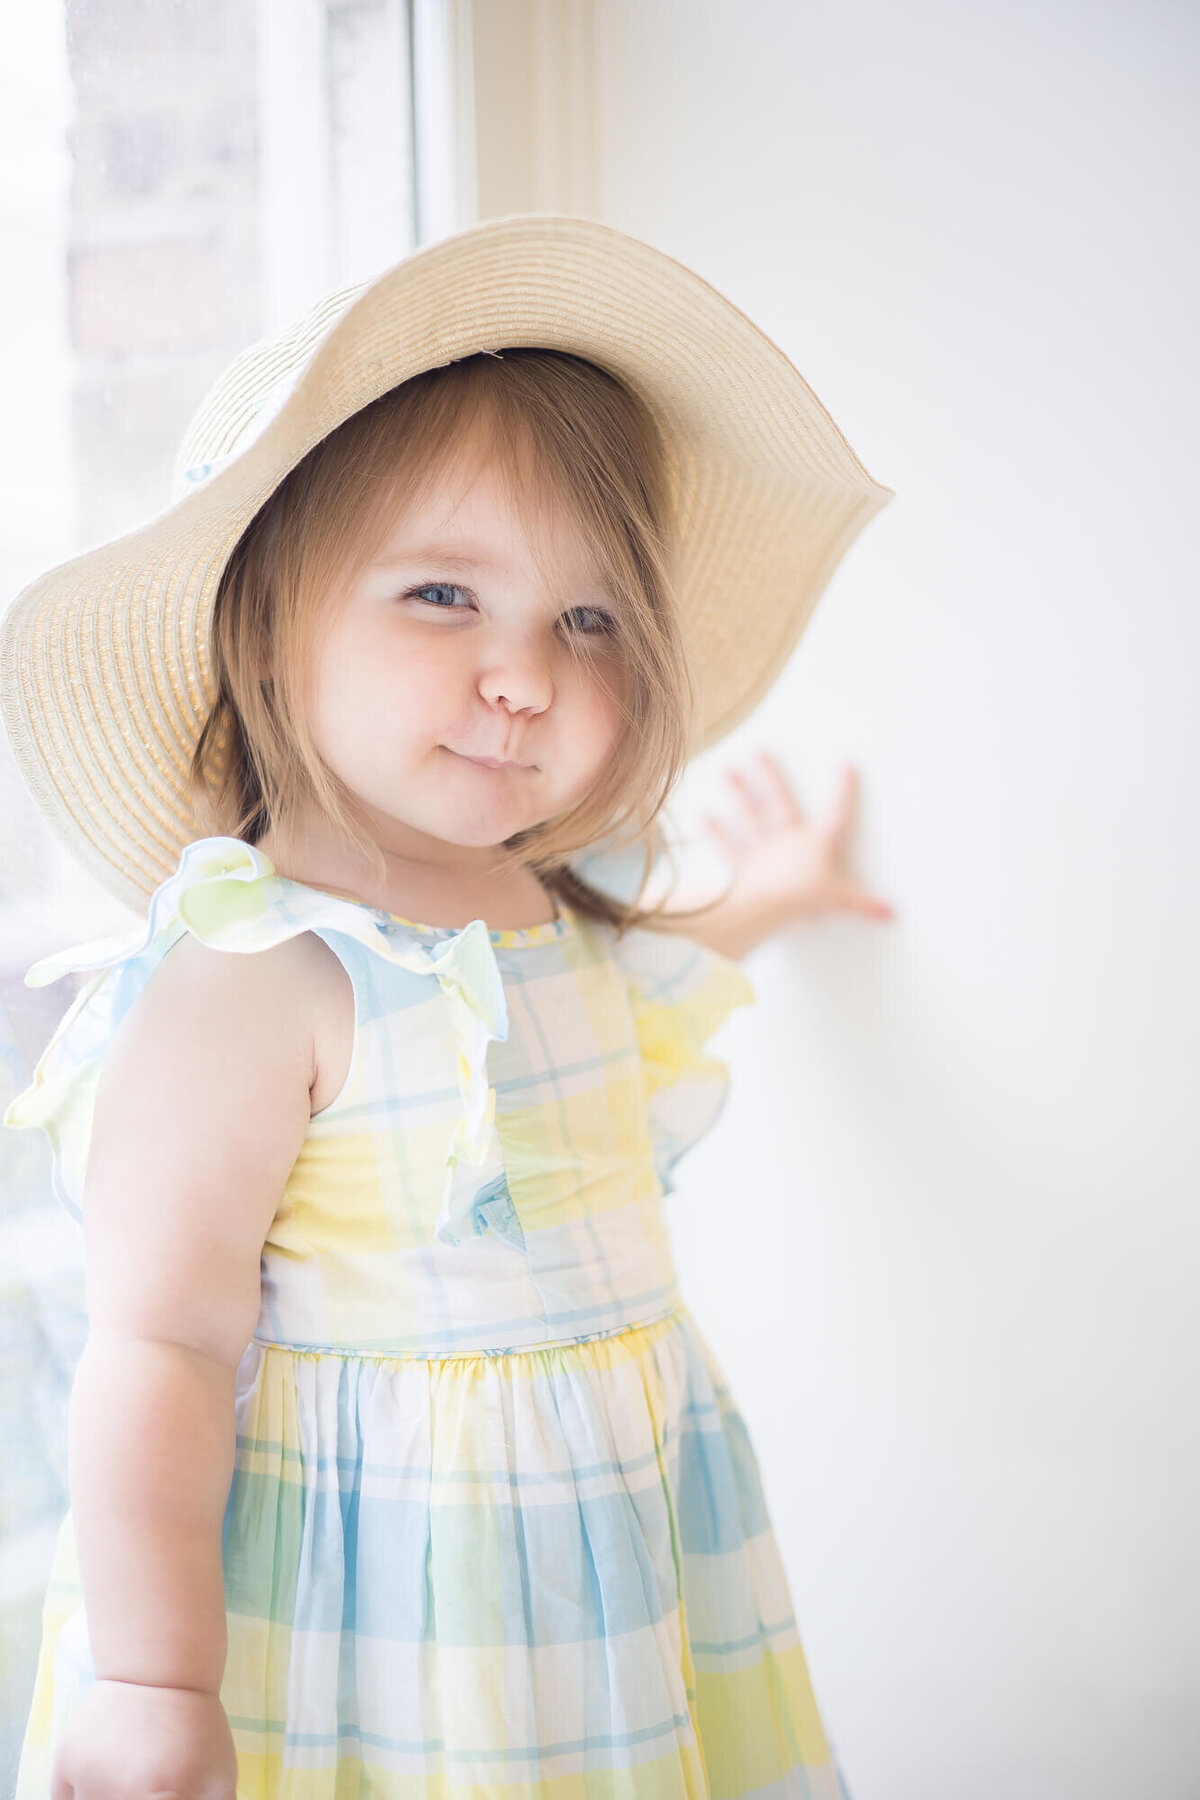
<point>517,676</point>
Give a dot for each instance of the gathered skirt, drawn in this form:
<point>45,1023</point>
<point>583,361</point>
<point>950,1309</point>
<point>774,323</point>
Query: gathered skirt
<point>545,1572</point>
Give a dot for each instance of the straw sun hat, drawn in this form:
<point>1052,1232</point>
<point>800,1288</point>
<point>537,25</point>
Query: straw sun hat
<point>105,672</point>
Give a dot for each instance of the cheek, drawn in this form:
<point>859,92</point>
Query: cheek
<point>592,721</point>
<point>375,685</point>
<point>348,699</point>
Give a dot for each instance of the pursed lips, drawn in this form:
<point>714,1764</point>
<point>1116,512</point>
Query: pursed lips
<point>494,762</point>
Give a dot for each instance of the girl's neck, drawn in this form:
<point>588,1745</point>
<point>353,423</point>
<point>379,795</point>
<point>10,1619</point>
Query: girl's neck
<point>430,890</point>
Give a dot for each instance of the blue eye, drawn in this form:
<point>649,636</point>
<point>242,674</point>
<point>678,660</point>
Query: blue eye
<point>439,587</point>
<point>592,621</point>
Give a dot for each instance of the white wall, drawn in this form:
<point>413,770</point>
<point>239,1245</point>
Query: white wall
<point>945,1239</point>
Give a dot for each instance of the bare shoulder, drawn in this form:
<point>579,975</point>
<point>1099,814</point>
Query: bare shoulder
<point>291,1007</point>
<point>221,1059</point>
<point>201,1108</point>
<point>211,1029</point>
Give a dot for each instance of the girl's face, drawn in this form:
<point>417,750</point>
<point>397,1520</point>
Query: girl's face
<point>461,693</point>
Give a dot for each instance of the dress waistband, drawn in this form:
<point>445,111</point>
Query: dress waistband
<point>349,1353</point>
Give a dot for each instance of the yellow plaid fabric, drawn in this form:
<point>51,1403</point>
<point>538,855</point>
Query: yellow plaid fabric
<point>496,1527</point>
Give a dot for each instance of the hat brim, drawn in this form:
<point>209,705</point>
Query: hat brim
<point>105,673</point>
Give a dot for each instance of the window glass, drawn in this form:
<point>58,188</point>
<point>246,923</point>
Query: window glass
<point>179,177</point>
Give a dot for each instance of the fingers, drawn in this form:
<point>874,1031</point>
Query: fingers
<point>856,899</point>
<point>764,804</point>
<point>727,840</point>
<point>763,798</point>
<point>780,795</point>
<point>751,804</point>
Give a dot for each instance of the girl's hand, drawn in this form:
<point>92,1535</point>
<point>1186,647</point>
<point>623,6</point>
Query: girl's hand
<point>787,867</point>
<point>129,1742</point>
<point>784,867</point>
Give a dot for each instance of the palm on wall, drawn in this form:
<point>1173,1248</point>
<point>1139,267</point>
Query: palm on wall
<point>784,866</point>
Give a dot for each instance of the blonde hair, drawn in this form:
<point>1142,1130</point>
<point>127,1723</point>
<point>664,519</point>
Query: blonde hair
<point>559,429</point>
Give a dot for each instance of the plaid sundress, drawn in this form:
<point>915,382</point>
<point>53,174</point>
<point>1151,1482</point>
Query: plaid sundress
<point>496,1529</point>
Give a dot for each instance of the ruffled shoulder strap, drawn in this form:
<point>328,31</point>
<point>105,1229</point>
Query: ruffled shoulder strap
<point>680,992</point>
<point>227,893</point>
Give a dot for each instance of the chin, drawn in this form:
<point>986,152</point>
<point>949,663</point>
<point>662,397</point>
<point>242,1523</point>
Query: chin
<point>485,837</point>
<point>475,830</point>
<point>484,811</point>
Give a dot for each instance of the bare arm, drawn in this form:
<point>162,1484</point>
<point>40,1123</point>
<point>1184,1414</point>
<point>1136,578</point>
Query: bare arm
<point>200,1112</point>
<point>732,924</point>
<point>785,868</point>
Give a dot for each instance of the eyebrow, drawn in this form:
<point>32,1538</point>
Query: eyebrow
<point>463,559</point>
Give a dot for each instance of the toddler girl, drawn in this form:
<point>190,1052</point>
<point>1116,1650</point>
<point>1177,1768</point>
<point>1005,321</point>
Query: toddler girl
<point>398,1465</point>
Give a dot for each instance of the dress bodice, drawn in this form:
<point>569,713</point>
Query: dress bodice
<point>491,1174</point>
